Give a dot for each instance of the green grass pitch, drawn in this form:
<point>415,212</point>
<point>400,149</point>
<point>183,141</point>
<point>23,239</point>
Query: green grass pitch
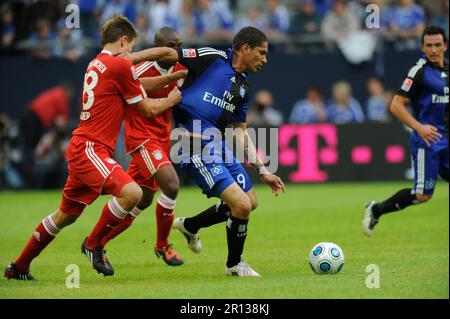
<point>411,248</point>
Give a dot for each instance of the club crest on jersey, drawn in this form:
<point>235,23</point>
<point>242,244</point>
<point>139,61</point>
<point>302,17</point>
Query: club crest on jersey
<point>407,84</point>
<point>110,160</point>
<point>216,170</point>
<point>242,91</point>
<point>157,155</point>
<point>189,53</point>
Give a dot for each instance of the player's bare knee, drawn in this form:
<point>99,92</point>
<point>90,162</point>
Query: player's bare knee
<point>130,196</point>
<point>423,198</point>
<point>171,189</point>
<point>62,220</point>
<point>242,209</point>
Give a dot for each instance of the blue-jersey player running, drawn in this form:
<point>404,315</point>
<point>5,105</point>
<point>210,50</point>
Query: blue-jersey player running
<point>426,88</point>
<point>216,94</point>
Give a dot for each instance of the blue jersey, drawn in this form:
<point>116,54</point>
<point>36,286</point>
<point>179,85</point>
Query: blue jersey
<point>427,88</point>
<point>213,93</point>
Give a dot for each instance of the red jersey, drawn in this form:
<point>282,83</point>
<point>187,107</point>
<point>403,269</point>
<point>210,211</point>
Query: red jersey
<point>50,104</point>
<point>110,83</point>
<point>140,129</point>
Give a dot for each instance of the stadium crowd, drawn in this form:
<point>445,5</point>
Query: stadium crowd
<point>40,25</point>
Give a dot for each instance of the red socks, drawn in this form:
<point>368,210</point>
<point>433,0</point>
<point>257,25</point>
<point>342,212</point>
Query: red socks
<point>44,233</point>
<point>164,219</point>
<point>124,224</point>
<point>112,215</point>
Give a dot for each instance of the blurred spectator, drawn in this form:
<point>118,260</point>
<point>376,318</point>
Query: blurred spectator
<point>9,155</point>
<point>187,21</point>
<point>8,29</point>
<point>253,18</point>
<point>278,19</point>
<point>162,13</point>
<point>50,165</point>
<point>343,108</point>
<point>43,40</point>
<point>262,111</point>
<point>376,107</point>
<point>143,28</point>
<point>323,6</point>
<point>339,22</point>
<point>311,109</point>
<point>306,20</point>
<point>69,43</point>
<point>114,7</point>
<point>89,10</point>
<point>440,17</point>
<point>49,108</point>
<point>213,19</point>
<point>408,22</point>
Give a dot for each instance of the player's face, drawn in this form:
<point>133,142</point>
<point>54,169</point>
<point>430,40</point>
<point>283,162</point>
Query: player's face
<point>256,57</point>
<point>434,47</point>
<point>174,43</point>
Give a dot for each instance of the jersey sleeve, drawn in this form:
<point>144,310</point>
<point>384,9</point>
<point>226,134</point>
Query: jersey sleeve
<point>412,83</point>
<point>128,83</point>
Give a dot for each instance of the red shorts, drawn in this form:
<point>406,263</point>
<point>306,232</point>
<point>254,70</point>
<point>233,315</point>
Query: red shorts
<point>146,161</point>
<point>92,172</point>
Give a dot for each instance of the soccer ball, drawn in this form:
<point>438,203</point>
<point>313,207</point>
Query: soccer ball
<point>326,258</point>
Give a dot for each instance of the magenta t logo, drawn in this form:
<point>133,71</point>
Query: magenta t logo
<point>308,156</point>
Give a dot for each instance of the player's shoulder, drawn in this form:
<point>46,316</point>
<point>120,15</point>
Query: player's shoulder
<point>418,68</point>
<point>203,52</point>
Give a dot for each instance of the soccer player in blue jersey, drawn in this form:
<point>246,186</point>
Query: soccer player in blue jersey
<point>215,95</point>
<point>426,88</point>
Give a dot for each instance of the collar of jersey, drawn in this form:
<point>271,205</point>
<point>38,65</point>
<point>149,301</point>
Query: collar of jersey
<point>162,70</point>
<point>106,52</point>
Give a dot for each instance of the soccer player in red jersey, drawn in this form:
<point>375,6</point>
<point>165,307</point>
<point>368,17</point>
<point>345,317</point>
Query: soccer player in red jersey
<point>110,84</point>
<point>148,142</point>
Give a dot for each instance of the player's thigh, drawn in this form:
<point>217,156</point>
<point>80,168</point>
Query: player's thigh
<point>426,170</point>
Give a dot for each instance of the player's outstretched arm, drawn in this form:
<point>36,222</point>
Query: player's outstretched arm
<point>398,108</point>
<point>157,82</point>
<point>153,107</point>
<point>162,54</point>
<point>243,140</point>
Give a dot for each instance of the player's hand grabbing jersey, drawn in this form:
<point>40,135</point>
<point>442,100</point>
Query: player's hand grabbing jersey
<point>110,84</point>
<point>140,129</point>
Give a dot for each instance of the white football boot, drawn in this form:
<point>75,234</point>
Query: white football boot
<point>242,270</point>
<point>193,240</point>
<point>369,222</point>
